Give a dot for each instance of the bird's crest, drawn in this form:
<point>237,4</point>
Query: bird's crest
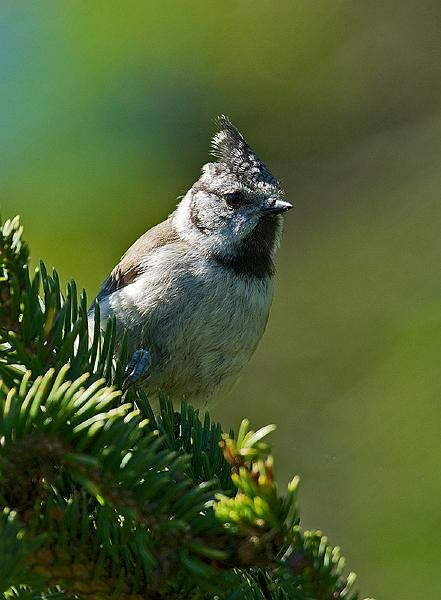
<point>230,147</point>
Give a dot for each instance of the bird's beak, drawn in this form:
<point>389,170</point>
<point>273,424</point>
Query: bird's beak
<point>276,206</point>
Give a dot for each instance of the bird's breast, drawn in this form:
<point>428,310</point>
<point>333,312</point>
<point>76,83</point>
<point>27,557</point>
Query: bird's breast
<point>200,320</point>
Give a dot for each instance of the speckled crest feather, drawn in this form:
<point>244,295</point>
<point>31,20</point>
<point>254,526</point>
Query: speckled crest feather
<point>231,148</point>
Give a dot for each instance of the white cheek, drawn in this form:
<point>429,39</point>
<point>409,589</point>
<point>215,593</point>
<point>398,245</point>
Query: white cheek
<point>217,236</point>
<point>242,224</point>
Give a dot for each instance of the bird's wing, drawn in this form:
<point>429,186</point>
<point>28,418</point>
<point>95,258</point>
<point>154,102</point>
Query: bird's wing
<point>130,265</point>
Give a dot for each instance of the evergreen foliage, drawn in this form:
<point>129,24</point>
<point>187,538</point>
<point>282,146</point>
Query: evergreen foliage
<point>102,497</point>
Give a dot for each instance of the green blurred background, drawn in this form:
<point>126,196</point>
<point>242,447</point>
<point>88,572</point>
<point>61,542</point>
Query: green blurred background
<point>106,109</point>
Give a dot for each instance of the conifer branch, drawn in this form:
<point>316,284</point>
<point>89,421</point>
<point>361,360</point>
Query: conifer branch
<point>102,497</point>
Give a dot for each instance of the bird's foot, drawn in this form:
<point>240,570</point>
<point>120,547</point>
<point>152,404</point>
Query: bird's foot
<point>138,366</point>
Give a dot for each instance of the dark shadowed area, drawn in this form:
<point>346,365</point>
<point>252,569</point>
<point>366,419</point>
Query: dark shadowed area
<point>106,111</point>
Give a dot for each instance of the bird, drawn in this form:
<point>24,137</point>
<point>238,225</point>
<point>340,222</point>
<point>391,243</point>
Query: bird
<point>194,292</point>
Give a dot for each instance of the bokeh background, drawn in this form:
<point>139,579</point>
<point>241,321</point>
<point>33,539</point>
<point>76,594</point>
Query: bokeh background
<point>106,109</point>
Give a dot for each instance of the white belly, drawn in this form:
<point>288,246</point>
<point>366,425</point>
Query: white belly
<point>201,324</point>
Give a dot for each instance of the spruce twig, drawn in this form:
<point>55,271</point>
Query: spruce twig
<point>104,497</point>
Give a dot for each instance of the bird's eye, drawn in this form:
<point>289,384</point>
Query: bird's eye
<point>235,199</point>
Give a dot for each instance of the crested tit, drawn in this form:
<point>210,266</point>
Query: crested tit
<point>196,290</point>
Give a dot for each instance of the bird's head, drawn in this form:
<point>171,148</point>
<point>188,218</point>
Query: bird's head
<point>236,203</point>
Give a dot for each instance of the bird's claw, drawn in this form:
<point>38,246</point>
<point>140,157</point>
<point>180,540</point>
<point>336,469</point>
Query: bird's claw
<point>137,367</point>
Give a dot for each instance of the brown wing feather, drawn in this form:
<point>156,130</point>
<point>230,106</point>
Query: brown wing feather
<point>129,267</point>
